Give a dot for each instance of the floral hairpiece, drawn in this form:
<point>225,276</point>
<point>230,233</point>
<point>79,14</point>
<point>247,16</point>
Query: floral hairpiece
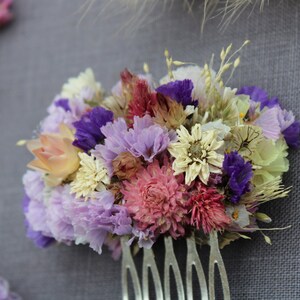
<point>186,158</point>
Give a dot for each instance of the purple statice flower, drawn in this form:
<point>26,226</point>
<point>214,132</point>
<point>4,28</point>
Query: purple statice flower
<point>179,90</point>
<point>238,174</point>
<point>63,103</point>
<point>146,238</point>
<point>33,205</point>
<point>4,288</point>
<point>88,133</point>
<point>65,112</point>
<point>5,13</point>
<point>37,237</point>
<point>269,122</point>
<point>145,139</point>
<point>292,135</point>
<point>5,293</point>
<point>93,220</point>
<point>34,185</point>
<point>285,119</point>
<point>276,121</point>
<point>58,220</point>
<point>257,94</point>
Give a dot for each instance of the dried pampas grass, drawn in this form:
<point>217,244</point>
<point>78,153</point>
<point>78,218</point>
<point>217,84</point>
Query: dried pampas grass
<point>142,11</point>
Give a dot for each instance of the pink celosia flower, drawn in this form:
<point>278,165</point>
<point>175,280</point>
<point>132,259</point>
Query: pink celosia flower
<point>5,14</point>
<point>207,209</point>
<point>154,198</point>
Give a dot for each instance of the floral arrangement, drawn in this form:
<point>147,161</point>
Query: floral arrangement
<point>5,13</point>
<point>186,157</point>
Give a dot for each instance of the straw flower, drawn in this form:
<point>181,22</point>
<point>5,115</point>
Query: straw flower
<point>91,176</point>
<point>196,153</point>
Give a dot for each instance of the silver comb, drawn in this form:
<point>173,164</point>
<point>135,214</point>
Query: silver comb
<point>162,291</point>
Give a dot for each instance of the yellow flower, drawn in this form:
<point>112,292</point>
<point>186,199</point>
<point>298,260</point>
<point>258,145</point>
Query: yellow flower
<point>195,153</point>
<point>54,155</point>
<point>270,160</point>
<point>92,176</point>
<point>245,139</point>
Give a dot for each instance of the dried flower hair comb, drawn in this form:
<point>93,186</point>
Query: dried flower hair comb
<point>186,158</point>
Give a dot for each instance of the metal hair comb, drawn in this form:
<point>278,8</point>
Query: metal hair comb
<point>162,291</point>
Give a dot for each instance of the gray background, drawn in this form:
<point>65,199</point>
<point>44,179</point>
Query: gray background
<point>45,45</point>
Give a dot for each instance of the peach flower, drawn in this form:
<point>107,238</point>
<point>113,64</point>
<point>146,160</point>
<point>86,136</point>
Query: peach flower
<point>54,155</point>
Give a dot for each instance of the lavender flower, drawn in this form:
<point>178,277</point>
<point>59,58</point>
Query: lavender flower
<point>257,94</point>
<point>66,111</point>
<point>58,221</point>
<point>88,132</point>
<point>268,121</point>
<point>35,209</point>
<point>37,237</point>
<point>145,139</point>
<point>4,288</point>
<point>145,238</point>
<point>238,174</point>
<point>93,220</point>
<point>5,293</point>
<point>179,90</point>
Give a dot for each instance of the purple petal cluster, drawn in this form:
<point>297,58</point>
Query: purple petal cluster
<point>257,94</point>
<point>238,174</point>
<point>146,238</point>
<point>274,120</point>
<point>63,103</point>
<point>35,210</point>
<point>67,219</point>
<point>145,139</point>
<point>37,237</point>
<point>64,111</point>
<point>292,135</point>
<point>88,133</point>
<point>5,293</point>
<point>179,90</point>
<point>57,216</point>
<point>93,220</point>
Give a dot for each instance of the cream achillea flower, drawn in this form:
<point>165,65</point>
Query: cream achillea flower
<point>91,176</point>
<point>85,79</point>
<point>196,153</point>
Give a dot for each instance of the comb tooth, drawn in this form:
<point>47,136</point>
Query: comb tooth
<point>129,266</point>
<point>171,263</point>
<point>149,264</point>
<point>216,258</point>
<point>194,260</point>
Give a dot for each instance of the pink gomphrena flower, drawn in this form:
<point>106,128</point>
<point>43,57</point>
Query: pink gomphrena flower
<point>154,198</point>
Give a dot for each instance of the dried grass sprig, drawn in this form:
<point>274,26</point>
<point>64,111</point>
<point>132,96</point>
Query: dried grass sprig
<point>142,11</point>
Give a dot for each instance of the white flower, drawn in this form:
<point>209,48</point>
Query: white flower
<point>92,176</point>
<point>195,74</point>
<point>75,85</point>
<point>239,215</point>
<point>195,153</point>
<point>222,129</point>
